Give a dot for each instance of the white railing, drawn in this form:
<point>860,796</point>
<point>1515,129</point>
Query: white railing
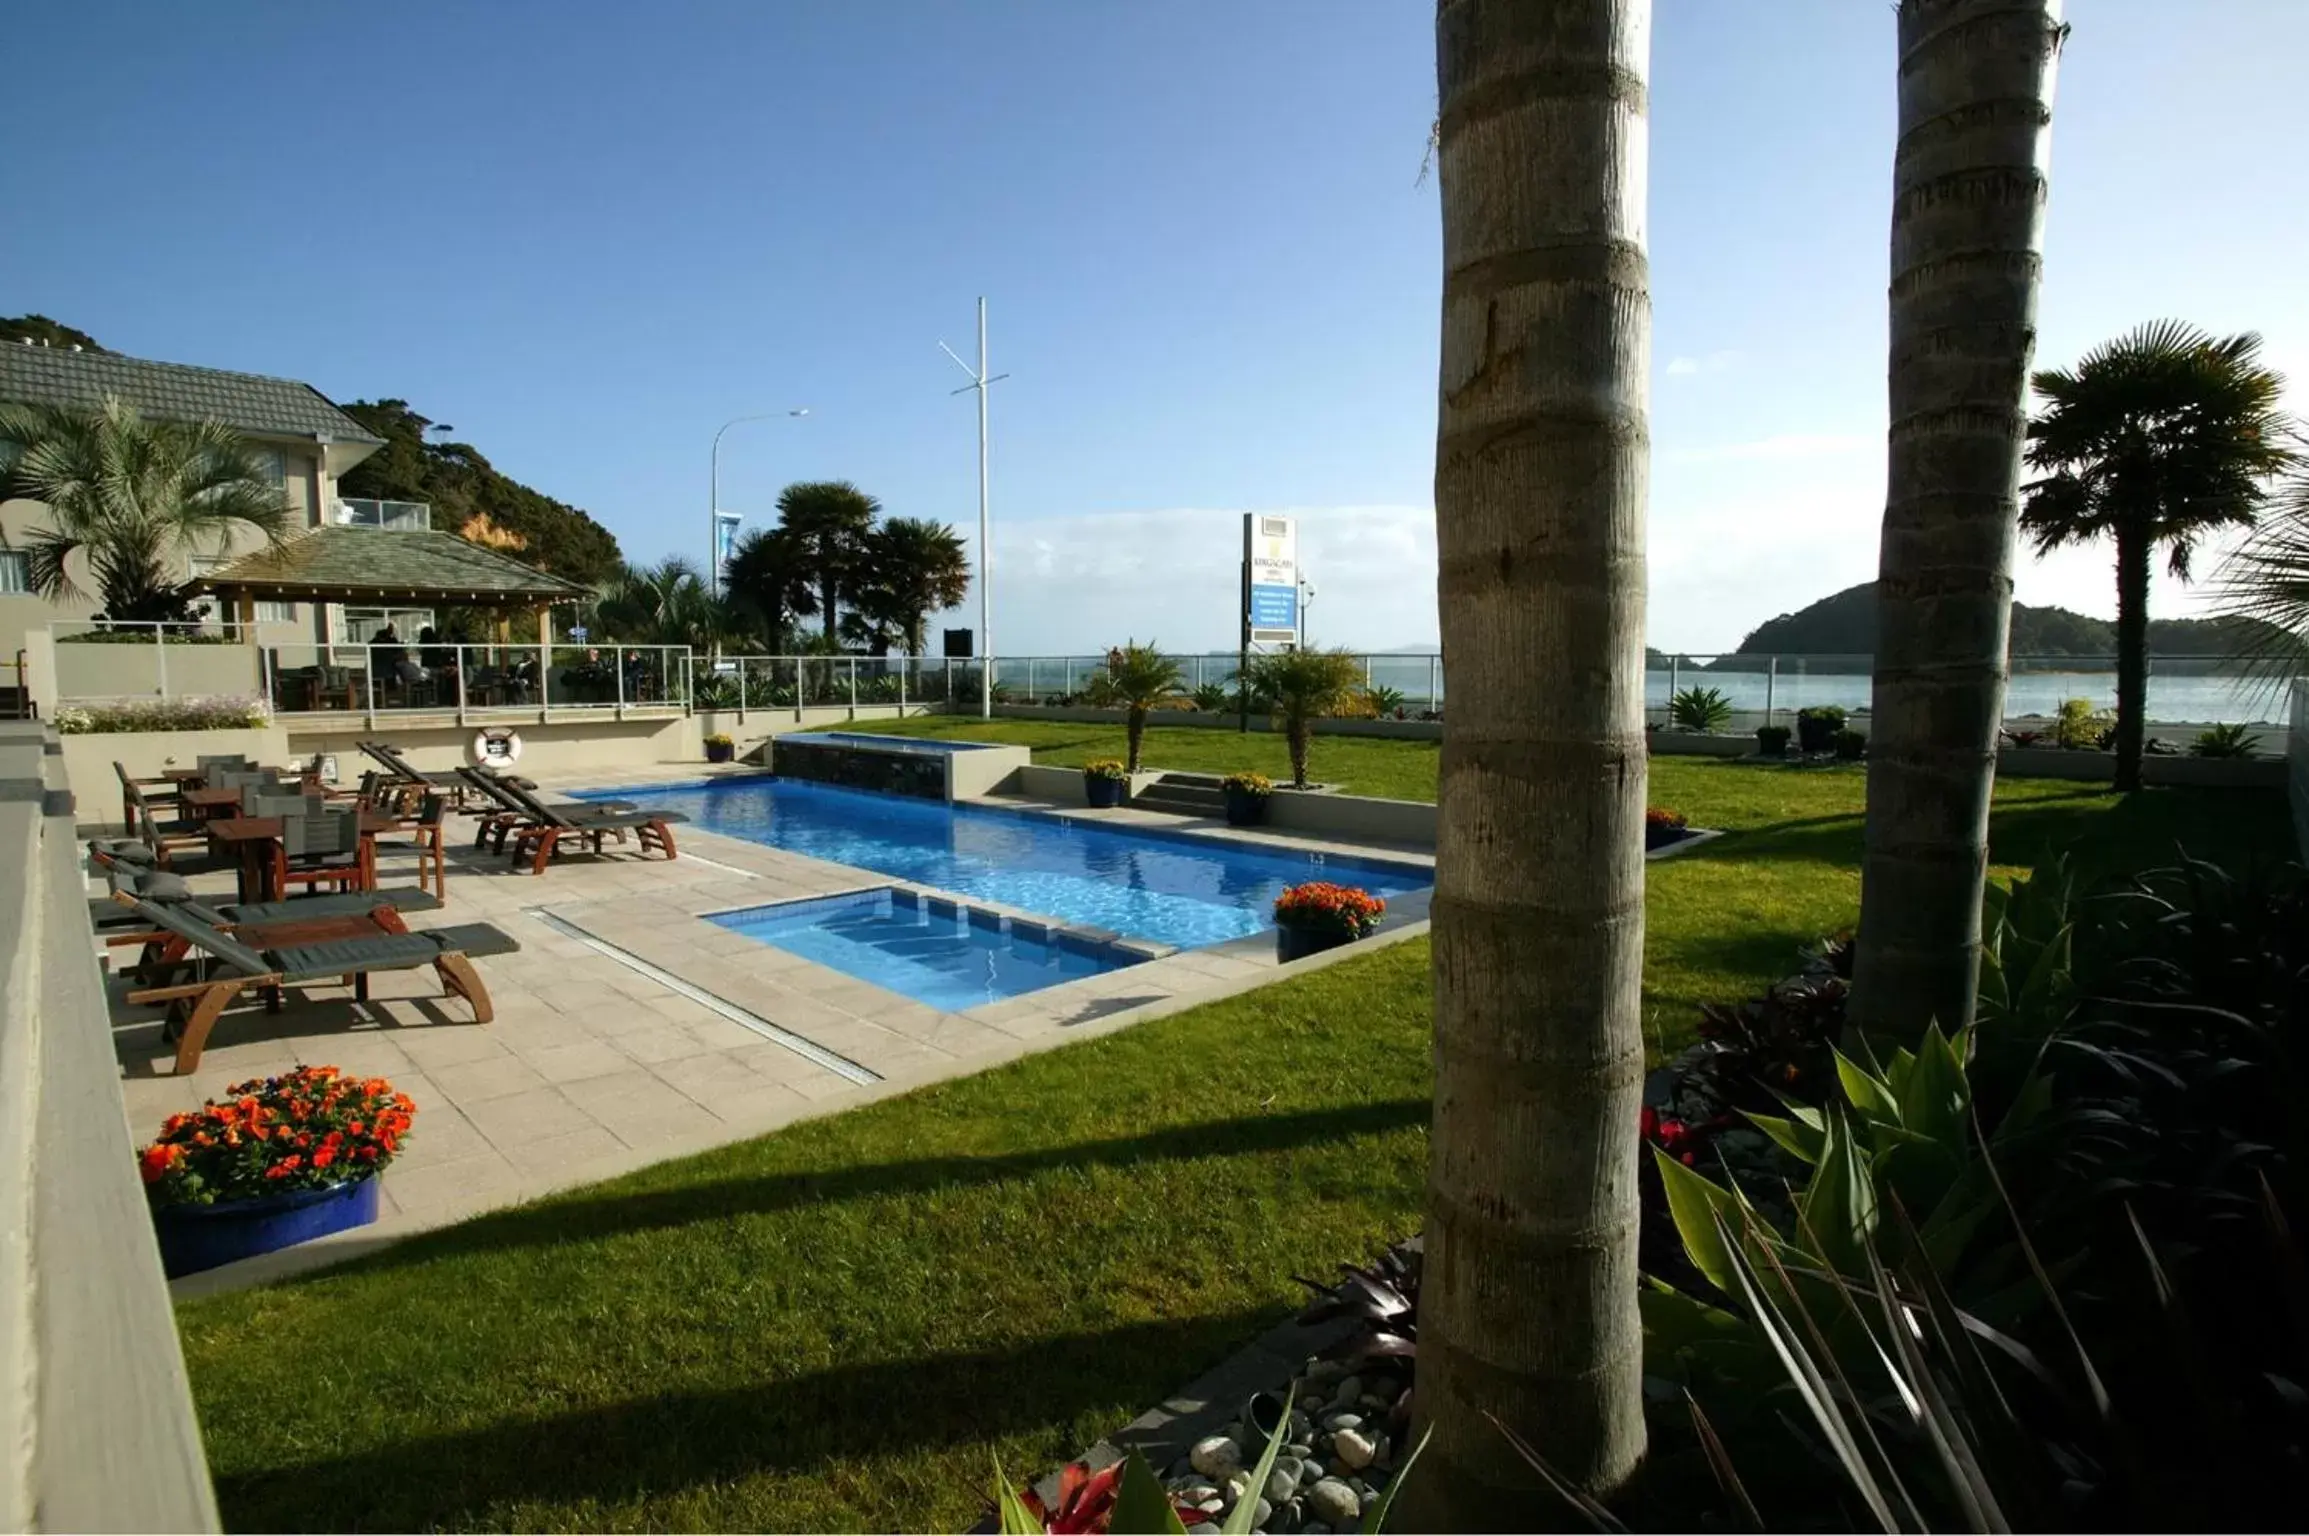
<point>749,683</point>
<point>375,681</point>
<point>398,516</point>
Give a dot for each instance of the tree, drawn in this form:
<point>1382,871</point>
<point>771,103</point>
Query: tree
<point>133,497</point>
<point>828,521</point>
<point>910,568</point>
<point>767,584</point>
<point>1528,1308</point>
<point>15,330</point>
<point>2265,588</point>
<point>1135,679</point>
<point>662,604</point>
<point>2157,438</point>
<point>472,499</point>
<point>1968,196</point>
<point>1299,688</point>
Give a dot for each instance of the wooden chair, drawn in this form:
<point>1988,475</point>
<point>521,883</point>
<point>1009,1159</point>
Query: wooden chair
<point>135,792</point>
<point>322,850</point>
<point>426,828</point>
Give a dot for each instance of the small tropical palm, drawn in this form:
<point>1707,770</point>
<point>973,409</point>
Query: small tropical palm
<point>662,604</point>
<point>2266,582</point>
<point>133,497</point>
<point>2155,439</point>
<point>1135,679</point>
<point>1301,687</point>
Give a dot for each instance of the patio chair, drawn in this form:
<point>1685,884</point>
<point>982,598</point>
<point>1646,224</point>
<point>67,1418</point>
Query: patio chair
<point>213,763</point>
<point>160,839</point>
<point>255,802</point>
<point>321,850</point>
<point>195,1006</point>
<point>540,836</point>
<point>425,828</point>
<point>400,768</point>
<point>156,791</point>
<point>504,812</point>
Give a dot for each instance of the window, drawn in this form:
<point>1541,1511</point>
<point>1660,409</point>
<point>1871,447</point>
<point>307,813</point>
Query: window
<point>267,613</point>
<point>272,464</point>
<point>15,573</point>
<point>356,626</point>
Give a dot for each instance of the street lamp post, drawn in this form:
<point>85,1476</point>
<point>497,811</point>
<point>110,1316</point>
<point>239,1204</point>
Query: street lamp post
<point>714,501</point>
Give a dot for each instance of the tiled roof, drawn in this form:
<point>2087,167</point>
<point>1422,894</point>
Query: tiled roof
<point>248,402</point>
<point>338,562</point>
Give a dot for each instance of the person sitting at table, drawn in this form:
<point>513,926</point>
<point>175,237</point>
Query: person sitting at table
<point>440,662</point>
<point>387,655</point>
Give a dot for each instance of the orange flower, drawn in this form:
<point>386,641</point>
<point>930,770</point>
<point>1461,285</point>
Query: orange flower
<point>158,1159</point>
<point>324,1156</point>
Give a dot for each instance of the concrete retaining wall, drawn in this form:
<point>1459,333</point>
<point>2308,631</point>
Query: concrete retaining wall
<point>2101,768</point>
<point>89,759</point>
<point>1353,818</point>
<point>557,747</point>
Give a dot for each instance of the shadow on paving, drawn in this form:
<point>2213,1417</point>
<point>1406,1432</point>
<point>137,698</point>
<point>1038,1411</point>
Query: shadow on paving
<point>661,1446</point>
<point>610,1213</point>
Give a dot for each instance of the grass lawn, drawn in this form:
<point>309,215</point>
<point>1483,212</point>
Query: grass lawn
<point>837,1326</point>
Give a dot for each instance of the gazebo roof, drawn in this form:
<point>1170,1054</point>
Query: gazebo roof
<point>341,563</point>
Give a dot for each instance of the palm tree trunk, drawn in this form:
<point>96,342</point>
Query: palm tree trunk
<point>826,586</point>
<point>1528,1306</point>
<point>1134,731</point>
<point>2135,547</point>
<point>1299,734</point>
<point>1968,202</point>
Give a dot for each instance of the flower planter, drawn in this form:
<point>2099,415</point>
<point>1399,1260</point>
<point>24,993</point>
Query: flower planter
<point>1103,794</point>
<point>721,752</point>
<point>1298,943</point>
<point>198,1237</point>
<point>1245,809</point>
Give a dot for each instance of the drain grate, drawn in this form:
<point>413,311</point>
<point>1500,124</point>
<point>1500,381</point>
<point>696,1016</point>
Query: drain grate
<point>809,1050</point>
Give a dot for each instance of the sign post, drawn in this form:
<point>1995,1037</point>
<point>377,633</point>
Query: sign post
<point>725,546</point>
<point>1270,595</point>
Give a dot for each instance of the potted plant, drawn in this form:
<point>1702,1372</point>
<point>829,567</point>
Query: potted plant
<point>1247,798</point>
<point>1319,915</point>
<point>720,748</point>
<point>1816,728</point>
<point>1772,741</point>
<point>1663,826</point>
<point>1103,781</point>
<point>279,1160</point>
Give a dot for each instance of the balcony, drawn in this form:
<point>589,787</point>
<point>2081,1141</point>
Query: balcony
<point>398,516</point>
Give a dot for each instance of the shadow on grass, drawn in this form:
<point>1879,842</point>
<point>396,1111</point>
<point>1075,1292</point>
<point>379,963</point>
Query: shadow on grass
<point>659,1447</point>
<point>612,1212</point>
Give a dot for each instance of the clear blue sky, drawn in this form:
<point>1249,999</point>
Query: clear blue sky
<point>587,233</point>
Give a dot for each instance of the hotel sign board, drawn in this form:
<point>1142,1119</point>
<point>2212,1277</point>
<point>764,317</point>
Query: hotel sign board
<point>1271,579</point>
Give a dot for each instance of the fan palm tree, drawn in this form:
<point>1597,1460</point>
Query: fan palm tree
<point>1529,1305</point>
<point>132,498</point>
<point>662,604</point>
<point>1975,81</point>
<point>2266,582</point>
<point>912,568</point>
<point>1299,688</point>
<point>1135,679</point>
<point>767,582</point>
<point>2155,439</point>
<point>827,522</point>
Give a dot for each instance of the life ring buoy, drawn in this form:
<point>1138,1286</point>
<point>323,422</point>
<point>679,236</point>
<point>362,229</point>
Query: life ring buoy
<point>497,745</point>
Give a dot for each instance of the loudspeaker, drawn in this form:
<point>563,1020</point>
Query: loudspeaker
<point>959,642</point>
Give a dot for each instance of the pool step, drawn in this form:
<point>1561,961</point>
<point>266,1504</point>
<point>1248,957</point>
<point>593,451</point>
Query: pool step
<point>1184,794</point>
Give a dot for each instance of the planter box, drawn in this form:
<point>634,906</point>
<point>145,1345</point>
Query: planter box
<point>198,1237</point>
<point>1298,943</point>
<point>1698,744</point>
<point>2101,768</point>
<point>1103,794</point>
<point>1245,809</point>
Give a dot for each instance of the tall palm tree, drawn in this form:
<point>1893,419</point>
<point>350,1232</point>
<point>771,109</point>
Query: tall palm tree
<point>1299,688</point>
<point>766,581</point>
<point>1528,1309</point>
<point>662,604</point>
<point>132,498</point>
<point>828,521</point>
<point>1968,197</point>
<point>2157,438</point>
<point>1135,679</point>
<point>912,568</point>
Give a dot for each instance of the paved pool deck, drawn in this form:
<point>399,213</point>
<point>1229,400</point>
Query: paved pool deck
<point>630,1029</point>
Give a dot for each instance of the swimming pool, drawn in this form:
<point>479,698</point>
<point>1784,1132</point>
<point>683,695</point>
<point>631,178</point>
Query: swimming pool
<point>1178,890</point>
<point>929,950</point>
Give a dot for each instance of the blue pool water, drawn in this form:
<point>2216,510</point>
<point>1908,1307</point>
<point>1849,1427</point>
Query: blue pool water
<point>1175,890</point>
<point>916,744</point>
<point>949,960</point>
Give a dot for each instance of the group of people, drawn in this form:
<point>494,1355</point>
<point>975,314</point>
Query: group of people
<point>391,657</point>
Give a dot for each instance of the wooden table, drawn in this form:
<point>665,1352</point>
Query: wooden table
<point>181,777</point>
<point>253,838</point>
<point>209,804</point>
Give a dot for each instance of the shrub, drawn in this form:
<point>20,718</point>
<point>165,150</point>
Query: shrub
<point>720,739</point>
<point>1105,768</point>
<point>1213,698</point>
<point>2223,741</point>
<point>715,691</point>
<point>218,714</point>
<point>1816,727</point>
<point>1700,709</point>
<point>1385,700</point>
<point>1850,746</point>
<point>308,1128</point>
<point>1322,906</point>
<point>1248,784</point>
<point>1772,740</point>
<point>2080,727</point>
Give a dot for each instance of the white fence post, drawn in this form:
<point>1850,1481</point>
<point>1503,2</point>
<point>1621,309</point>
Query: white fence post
<point>1771,686</point>
<point>160,656</point>
<point>853,687</point>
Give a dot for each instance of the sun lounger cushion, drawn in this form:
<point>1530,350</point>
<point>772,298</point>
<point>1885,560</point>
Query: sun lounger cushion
<point>388,952</point>
<point>475,939</point>
<point>345,904</point>
<point>163,885</point>
<point>123,850</point>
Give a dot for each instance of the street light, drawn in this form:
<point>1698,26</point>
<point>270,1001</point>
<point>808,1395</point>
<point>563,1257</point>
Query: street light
<point>714,503</point>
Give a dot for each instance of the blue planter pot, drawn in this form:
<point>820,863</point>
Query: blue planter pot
<point>1105,794</point>
<point>1298,943</point>
<point>198,1237</point>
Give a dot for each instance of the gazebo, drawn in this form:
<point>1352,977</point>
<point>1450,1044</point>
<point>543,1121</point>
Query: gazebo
<point>379,567</point>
